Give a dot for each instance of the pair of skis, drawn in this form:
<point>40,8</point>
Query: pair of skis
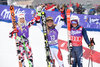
<point>14,25</point>
<point>49,58</point>
<point>48,54</point>
<point>92,43</point>
<point>15,28</point>
<point>69,41</point>
<point>68,11</point>
<point>68,14</point>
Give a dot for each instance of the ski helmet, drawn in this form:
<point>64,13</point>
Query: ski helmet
<point>49,18</point>
<point>21,15</point>
<point>74,18</point>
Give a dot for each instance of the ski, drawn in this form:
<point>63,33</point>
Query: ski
<point>13,17</point>
<point>68,36</point>
<point>14,25</point>
<point>48,54</point>
<point>92,43</point>
<point>23,39</point>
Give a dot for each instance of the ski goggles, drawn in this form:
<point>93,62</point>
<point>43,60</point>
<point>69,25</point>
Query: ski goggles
<point>49,20</point>
<point>73,22</point>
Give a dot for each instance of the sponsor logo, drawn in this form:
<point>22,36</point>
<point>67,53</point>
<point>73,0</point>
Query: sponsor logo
<point>75,32</point>
<point>86,51</point>
<point>92,20</point>
<point>6,13</point>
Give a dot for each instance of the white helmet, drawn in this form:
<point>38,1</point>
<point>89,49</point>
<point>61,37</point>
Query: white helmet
<point>74,17</point>
<point>39,8</point>
<point>21,15</point>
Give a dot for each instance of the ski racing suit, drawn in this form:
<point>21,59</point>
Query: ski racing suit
<point>21,50</point>
<point>23,46</point>
<point>53,43</point>
<point>76,39</point>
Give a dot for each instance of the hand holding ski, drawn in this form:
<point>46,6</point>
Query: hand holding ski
<point>92,43</point>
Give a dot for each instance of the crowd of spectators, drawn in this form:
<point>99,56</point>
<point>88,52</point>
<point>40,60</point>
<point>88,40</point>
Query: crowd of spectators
<point>75,8</point>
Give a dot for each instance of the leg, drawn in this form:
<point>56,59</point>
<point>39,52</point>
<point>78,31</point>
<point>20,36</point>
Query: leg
<point>21,53</point>
<point>52,55</point>
<point>79,54</point>
<point>74,57</point>
<point>29,54</point>
<point>58,56</point>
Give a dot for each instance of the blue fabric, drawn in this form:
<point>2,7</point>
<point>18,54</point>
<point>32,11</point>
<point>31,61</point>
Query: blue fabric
<point>73,22</point>
<point>54,46</point>
<point>56,10</point>
<point>77,53</point>
<point>84,33</point>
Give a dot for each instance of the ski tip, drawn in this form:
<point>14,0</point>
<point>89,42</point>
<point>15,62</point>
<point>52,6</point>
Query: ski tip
<point>42,13</point>
<point>11,7</point>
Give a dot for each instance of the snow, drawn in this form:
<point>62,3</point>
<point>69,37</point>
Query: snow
<point>8,54</point>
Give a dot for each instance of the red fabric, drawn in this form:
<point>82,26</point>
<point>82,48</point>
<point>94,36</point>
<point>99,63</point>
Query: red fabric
<point>86,53</point>
<point>76,40</point>
<point>62,16</point>
<point>50,7</point>
<point>77,5</point>
<point>59,55</point>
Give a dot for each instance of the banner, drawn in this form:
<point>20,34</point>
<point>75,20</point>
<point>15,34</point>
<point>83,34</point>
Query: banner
<point>56,16</point>
<point>5,13</point>
<point>86,51</point>
<point>90,22</point>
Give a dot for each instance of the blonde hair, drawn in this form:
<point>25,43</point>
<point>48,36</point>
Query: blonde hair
<point>49,18</point>
<point>19,24</point>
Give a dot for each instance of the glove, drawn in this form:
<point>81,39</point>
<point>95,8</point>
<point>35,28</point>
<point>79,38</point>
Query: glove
<point>11,33</point>
<point>69,47</point>
<point>92,43</point>
<point>15,31</point>
<point>91,46</point>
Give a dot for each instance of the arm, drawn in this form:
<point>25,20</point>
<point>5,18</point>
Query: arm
<point>30,23</point>
<point>36,18</point>
<point>84,33</point>
<point>59,25</point>
<point>40,26</point>
<point>12,33</point>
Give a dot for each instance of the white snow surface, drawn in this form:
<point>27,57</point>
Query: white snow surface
<point>8,54</point>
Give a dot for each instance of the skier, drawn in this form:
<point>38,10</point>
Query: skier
<point>52,35</point>
<point>77,32</point>
<point>22,41</point>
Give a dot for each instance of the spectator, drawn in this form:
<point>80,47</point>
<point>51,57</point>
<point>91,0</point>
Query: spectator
<point>51,7</point>
<point>79,9</point>
<point>92,11</point>
<point>98,10</point>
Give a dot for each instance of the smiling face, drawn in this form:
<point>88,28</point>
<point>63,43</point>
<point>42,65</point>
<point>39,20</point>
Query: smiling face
<point>49,23</point>
<point>74,24</point>
<point>22,20</point>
